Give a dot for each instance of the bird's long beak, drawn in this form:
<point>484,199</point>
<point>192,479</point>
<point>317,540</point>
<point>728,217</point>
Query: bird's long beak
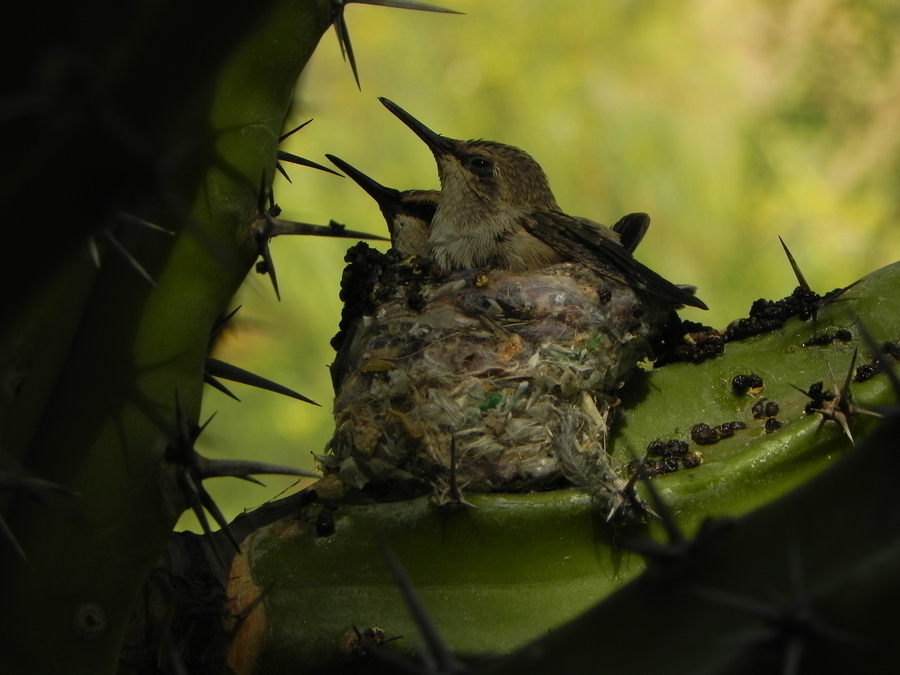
<point>387,198</point>
<point>439,145</point>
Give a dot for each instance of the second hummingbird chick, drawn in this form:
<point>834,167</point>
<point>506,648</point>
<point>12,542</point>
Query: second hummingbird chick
<point>497,210</point>
<point>408,214</point>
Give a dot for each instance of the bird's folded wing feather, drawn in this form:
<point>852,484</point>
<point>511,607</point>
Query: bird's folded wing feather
<point>584,242</point>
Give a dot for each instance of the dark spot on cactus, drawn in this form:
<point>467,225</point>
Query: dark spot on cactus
<point>867,371</point>
<point>687,341</point>
<point>769,315</point>
<point>656,448</point>
<point>90,620</point>
<point>819,341</point>
<point>692,460</point>
<point>837,405</point>
<point>325,523</point>
<point>773,425</point>
<point>653,468</point>
<point>672,448</point>
<point>827,339</point>
<point>742,383</point>
<point>693,342</point>
<point>817,397</point>
<point>359,643</point>
<point>727,429</point>
<point>676,447</point>
<point>759,409</point>
<point>763,408</point>
<point>669,451</point>
<point>703,434</point>
<point>319,514</point>
<point>892,348</point>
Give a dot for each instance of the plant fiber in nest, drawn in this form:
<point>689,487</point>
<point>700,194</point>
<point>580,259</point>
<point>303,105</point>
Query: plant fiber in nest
<point>511,376</point>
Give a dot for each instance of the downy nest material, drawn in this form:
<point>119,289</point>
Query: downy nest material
<point>509,378</point>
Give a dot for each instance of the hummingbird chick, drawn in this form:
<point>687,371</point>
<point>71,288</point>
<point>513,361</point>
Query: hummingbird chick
<point>408,214</point>
<point>497,210</point>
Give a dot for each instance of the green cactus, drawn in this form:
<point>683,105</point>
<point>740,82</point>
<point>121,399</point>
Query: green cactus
<point>500,574</point>
<point>102,375</point>
<point>94,360</point>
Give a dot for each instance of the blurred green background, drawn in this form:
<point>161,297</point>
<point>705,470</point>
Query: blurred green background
<point>729,122</point>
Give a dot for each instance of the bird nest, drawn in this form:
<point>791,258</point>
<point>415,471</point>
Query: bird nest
<point>485,380</point>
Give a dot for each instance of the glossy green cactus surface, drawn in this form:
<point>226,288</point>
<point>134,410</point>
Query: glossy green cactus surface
<point>96,357</point>
<point>512,568</point>
<point>93,361</point>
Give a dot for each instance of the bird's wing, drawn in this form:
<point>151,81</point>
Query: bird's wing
<point>631,229</point>
<point>580,240</point>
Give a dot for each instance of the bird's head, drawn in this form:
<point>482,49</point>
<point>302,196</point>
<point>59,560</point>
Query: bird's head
<point>408,214</point>
<point>492,173</point>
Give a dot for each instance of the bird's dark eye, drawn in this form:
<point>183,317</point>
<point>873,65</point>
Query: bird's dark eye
<point>481,166</point>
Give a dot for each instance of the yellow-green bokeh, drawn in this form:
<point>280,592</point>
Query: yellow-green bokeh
<point>729,122</point>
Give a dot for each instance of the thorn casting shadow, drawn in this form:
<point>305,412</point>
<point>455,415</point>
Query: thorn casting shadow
<point>678,547</point>
<point>13,479</point>
<point>116,245</point>
<point>791,629</point>
<point>879,354</point>
<point>439,659</point>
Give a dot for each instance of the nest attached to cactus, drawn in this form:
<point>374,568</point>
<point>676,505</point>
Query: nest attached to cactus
<point>492,381</point>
